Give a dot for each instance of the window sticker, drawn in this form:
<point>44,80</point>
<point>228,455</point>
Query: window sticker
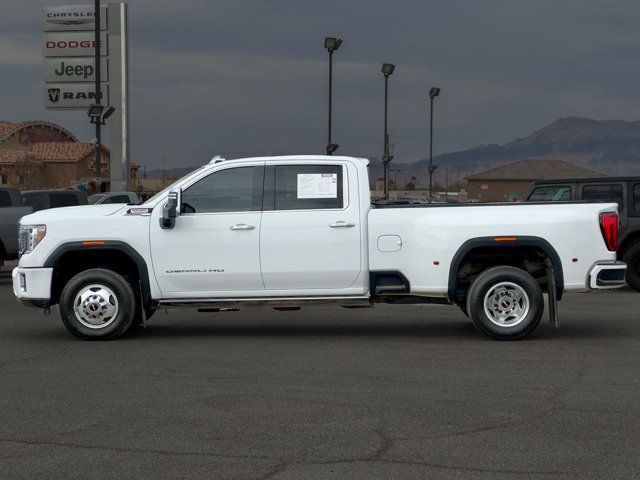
<point>317,185</point>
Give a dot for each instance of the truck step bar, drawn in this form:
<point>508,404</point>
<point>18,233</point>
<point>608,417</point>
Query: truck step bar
<point>211,303</point>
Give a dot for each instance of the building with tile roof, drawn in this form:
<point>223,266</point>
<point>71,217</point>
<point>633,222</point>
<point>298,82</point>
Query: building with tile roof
<point>40,155</point>
<point>510,182</point>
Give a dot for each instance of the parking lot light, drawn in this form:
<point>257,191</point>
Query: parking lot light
<point>331,44</point>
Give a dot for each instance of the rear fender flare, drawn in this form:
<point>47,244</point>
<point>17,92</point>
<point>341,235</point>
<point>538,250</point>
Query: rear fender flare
<point>520,241</point>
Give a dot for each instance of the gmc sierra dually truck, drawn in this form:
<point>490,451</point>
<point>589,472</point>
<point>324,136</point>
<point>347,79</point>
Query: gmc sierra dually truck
<point>289,232</point>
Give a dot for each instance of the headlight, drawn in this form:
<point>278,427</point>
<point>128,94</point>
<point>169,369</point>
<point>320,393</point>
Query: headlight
<point>29,236</point>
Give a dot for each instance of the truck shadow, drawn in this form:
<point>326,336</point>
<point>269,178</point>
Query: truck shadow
<point>449,331</point>
<point>454,330</point>
<point>460,330</point>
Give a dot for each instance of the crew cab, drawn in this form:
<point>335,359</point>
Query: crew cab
<point>625,191</point>
<point>296,231</point>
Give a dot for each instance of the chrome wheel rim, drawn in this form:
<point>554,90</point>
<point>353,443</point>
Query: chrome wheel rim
<point>506,304</point>
<point>95,306</point>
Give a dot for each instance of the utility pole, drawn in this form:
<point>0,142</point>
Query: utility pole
<point>446,184</point>
<point>163,157</point>
<point>433,93</point>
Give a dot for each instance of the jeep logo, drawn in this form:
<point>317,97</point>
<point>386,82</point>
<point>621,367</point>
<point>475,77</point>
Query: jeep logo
<point>84,71</point>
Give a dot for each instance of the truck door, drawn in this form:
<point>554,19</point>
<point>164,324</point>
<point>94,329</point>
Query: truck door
<point>311,227</point>
<point>213,249</point>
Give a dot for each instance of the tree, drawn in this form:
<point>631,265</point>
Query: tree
<point>25,172</point>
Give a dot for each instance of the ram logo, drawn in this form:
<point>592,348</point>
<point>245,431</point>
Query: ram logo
<point>54,94</point>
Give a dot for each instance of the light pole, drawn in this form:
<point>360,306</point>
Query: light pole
<point>331,44</point>
<point>387,69</point>
<point>395,178</point>
<point>433,93</point>
<point>98,115</point>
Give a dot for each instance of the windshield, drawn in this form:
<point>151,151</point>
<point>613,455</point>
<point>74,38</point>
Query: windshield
<point>165,191</point>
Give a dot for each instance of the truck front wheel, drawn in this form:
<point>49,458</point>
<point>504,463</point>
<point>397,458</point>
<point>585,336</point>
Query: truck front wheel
<point>97,304</point>
<point>505,303</point>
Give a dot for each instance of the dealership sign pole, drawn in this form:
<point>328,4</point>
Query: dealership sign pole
<point>71,71</point>
<point>119,92</point>
<point>96,62</point>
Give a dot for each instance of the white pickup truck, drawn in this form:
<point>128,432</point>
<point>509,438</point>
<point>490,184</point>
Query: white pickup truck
<point>294,231</point>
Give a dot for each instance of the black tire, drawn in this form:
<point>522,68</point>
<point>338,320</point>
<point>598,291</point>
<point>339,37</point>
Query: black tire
<point>632,258</point>
<point>97,293</point>
<point>514,303</point>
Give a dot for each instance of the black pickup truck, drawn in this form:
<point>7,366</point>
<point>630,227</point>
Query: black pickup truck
<point>625,191</point>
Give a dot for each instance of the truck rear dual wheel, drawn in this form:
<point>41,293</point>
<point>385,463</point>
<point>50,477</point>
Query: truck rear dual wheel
<point>632,258</point>
<point>505,303</point>
<point>98,304</point>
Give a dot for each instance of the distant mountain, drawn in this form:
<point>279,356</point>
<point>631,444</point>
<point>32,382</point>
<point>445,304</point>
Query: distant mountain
<point>608,146</point>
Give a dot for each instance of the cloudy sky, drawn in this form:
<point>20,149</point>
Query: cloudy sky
<point>249,77</point>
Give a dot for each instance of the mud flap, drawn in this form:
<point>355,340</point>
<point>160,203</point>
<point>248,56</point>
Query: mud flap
<point>142,309</point>
<point>553,298</point>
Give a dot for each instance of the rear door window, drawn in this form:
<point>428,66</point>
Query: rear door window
<point>636,197</point>
<point>63,200</point>
<point>552,193</point>
<point>308,187</point>
<point>33,200</point>
<point>604,193</point>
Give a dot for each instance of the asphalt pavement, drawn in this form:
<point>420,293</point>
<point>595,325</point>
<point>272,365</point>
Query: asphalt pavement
<point>393,392</point>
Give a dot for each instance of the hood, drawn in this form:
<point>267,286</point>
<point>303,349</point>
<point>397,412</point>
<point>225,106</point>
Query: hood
<point>81,211</point>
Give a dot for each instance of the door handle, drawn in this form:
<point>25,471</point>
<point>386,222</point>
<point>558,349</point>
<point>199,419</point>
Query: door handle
<point>342,224</point>
<point>242,226</point>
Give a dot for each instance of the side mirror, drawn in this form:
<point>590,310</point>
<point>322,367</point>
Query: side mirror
<point>170,211</point>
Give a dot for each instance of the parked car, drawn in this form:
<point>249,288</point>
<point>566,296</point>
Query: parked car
<point>297,231</point>
<point>625,191</point>
<point>45,199</point>
<point>11,210</point>
<point>114,197</point>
